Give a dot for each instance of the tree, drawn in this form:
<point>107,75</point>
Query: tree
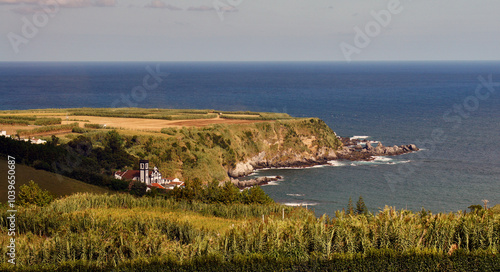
<point>113,141</point>
<point>54,140</point>
<point>31,193</point>
<point>229,193</point>
<point>256,195</point>
<point>138,188</point>
<point>350,207</point>
<point>475,208</point>
<point>361,207</point>
<point>82,145</point>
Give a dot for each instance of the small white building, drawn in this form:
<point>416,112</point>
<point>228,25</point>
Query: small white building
<point>37,141</point>
<point>150,178</point>
<point>3,133</point>
<point>155,176</point>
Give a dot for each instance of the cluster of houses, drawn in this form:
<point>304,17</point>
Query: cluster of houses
<point>33,140</point>
<point>150,178</point>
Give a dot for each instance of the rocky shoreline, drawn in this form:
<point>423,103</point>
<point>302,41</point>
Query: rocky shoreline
<point>242,184</point>
<point>352,149</point>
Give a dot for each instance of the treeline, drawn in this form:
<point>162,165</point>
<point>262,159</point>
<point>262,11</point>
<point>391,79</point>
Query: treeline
<point>78,159</point>
<point>28,120</point>
<point>45,129</point>
<point>81,160</point>
<point>47,121</point>
<point>4,121</point>
<point>166,114</point>
<point>257,116</point>
<point>220,194</point>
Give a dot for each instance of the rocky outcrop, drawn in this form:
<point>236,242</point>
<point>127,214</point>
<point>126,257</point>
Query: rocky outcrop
<point>287,158</point>
<point>242,184</point>
<point>354,150</point>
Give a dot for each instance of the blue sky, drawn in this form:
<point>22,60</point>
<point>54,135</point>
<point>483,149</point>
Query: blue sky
<point>249,30</point>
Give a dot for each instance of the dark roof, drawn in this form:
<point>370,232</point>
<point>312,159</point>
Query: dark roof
<point>129,174</point>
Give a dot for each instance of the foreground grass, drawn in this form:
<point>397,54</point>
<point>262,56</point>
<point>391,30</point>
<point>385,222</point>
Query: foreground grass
<point>88,232</point>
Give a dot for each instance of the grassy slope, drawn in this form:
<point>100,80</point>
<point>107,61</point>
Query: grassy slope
<point>59,185</point>
<point>207,153</point>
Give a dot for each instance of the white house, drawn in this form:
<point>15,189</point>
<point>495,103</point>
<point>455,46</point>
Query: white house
<point>38,141</point>
<point>151,178</point>
<point>3,133</point>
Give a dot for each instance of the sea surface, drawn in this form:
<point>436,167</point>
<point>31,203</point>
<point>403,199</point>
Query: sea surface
<point>440,106</point>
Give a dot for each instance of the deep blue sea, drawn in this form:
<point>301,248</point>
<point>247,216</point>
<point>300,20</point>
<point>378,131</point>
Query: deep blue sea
<point>443,107</point>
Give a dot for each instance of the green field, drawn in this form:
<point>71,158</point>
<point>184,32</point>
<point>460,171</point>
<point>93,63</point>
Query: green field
<point>25,116</point>
<point>210,228</point>
<point>87,232</point>
<point>57,184</point>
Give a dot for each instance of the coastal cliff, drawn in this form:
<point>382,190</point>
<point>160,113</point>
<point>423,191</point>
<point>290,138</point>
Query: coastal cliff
<point>230,151</point>
<point>220,152</point>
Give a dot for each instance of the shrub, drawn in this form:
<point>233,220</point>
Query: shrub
<point>31,193</point>
<point>138,188</point>
<point>47,121</point>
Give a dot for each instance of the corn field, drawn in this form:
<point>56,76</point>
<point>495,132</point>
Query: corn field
<point>123,232</point>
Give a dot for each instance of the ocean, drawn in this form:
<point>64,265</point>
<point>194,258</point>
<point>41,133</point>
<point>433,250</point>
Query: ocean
<point>449,109</point>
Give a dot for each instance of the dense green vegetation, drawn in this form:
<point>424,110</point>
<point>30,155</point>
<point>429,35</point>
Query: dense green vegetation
<point>45,129</point>
<point>175,114</point>
<point>28,120</point>
<point>4,121</point>
<point>47,121</point>
<point>90,232</point>
<point>78,159</point>
<point>207,153</point>
<point>31,193</point>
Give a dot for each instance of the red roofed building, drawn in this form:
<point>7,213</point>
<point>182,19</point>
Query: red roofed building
<point>150,178</point>
<point>157,186</point>
<point>127,175</point>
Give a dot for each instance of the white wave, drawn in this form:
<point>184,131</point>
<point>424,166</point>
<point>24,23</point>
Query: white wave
<point>295,194</point>
<point>377,160</point>
<point>299,204</point>
<point>360,137</point>
<point>382,159</point>
<point>337,163</point>
<point>271,183</point>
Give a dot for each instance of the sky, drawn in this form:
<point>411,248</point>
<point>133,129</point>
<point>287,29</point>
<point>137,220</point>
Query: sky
<point>249,30</point>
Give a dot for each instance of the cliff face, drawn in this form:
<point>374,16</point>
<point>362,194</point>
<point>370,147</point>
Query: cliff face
<point>297,143</point>
<point>223,151</point>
